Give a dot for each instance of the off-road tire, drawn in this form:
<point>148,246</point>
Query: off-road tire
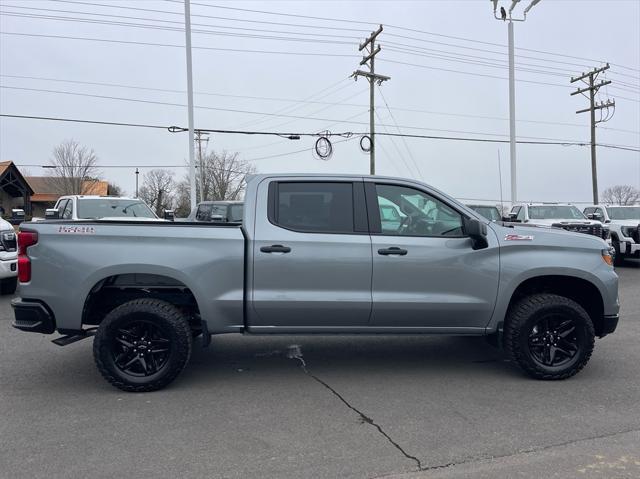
<point>618,258</point>
<point>526,313</point>
<point>162,314</point>
<point>8,285</point>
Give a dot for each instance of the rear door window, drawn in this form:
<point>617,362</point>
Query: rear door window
<point>314,207</point>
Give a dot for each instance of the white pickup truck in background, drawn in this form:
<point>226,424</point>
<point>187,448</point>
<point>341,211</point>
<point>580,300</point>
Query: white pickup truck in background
<point>8,258</point>
<point>88,207</point>
<point>558,215</point>
<point>624,224</point>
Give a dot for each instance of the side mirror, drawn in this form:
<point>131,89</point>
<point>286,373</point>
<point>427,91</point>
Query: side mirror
<point>52,214</point>
<point>169,215</point>
<point>596,216</point>
<point>513,217</point>
<point>477,231</point>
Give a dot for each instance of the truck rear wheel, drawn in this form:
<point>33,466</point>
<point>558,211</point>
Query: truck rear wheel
<point>549,336</point>
<point>142,345</point>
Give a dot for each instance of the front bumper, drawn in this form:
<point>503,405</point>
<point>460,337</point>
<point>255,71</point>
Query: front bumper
<point>32,316</point>
<point>627,247</point>
<point>609,324</point>
<point>8,268</point>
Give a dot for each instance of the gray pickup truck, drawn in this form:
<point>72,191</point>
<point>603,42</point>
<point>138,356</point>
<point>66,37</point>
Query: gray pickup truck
<point>315,255</point>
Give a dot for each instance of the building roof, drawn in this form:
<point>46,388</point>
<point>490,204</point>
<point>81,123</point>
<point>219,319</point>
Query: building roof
<point>44,190</point>
<point>12,181</point>
<point>4,165</point>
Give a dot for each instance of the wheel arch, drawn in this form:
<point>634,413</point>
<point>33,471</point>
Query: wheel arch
<point>580,290</point>
<point>115,289</point>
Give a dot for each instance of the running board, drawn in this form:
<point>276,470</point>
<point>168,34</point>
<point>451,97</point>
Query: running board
<point>73,338</point>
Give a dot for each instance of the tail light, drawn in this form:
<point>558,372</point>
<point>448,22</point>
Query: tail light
<point>25,239</point>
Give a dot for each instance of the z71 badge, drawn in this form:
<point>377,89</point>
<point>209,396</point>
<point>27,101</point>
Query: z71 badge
<point>518,238</point>
<point>78,230</point>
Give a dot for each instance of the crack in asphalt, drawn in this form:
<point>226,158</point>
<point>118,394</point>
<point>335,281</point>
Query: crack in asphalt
<point>294,352</point>
<point>532,450</point>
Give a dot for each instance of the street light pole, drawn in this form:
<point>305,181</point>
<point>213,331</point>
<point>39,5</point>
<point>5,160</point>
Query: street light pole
<point>512,85</point>
<point>512,115</point>
<point>192,160</point>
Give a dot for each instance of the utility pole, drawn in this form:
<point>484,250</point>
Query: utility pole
<point>200,137</point>
<point>192,162</point>
<point>504,16</point>
<point>369,60</point>
<point>590,79</point>
<point>137,174</point>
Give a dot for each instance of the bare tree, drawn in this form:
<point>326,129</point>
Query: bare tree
<point>621,195</point>
<point>158,190</point>
<point>223,179</point>
<point>224,176</point>
<point>73,166</point>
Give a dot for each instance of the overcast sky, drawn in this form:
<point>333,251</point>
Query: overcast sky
<point>459,86</point>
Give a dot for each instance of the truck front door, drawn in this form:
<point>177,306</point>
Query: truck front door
<point>312,261</point>
<point>425,272</point>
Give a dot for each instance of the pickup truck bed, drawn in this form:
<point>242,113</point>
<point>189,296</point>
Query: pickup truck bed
<point>315,255</point>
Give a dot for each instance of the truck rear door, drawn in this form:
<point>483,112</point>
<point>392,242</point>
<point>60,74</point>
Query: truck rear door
<point>312,261</point>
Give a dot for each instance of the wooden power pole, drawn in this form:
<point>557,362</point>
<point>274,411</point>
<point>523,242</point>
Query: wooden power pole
<point>592,87</point>
<point>373,78</point>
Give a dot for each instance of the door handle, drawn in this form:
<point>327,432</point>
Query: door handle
<point>393,250</point>
<point>276,248</point>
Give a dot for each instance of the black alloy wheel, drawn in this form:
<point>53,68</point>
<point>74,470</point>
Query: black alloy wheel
<point>554,341</point>
<point>140,348</point>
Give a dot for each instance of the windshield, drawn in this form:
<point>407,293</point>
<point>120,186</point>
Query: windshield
<point>555,212</point>
<point>489,212</point>
<point>624,213</point>
<point>113,207</point>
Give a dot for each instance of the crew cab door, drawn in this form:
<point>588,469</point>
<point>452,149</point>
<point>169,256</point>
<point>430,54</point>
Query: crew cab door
<point>425,272</point>
<point>311,253</point>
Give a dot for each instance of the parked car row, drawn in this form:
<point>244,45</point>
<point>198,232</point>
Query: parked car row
<point>618,225</point>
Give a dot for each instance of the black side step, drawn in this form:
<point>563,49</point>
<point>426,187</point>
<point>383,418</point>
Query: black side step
<point>73,338</point>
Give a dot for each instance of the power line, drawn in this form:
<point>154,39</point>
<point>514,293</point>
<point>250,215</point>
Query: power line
<point>264,12</point>
<point>323,27</point>
<point>306,100</point>
<point>440,51</point>
<point>545,52</point>
<point>404,141</point>
<point>343,134</point>
<point>449,70</point>
<point>128,42</point>
<point>178,22</point>
<point>370,24</point>
<point>173,29</point>
<point>231,110</point>
<point>268,31</point>
<point>167,90</point>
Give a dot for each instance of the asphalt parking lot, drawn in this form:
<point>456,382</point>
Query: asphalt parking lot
<point>363,407</point>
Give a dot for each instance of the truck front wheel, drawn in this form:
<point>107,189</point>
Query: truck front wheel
<point>549,336</point>
<point>142,345</point>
